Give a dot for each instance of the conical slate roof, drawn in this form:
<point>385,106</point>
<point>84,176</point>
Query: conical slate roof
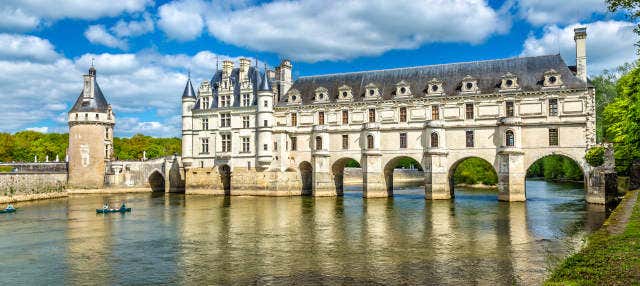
<point>188,90</point>
<point>96,104</point>
<point>264,84</point>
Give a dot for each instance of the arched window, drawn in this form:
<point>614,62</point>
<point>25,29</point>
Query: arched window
<point>434,140</point>
<point>369,141</point>
<point>510,138</point>
<point>318,143</point>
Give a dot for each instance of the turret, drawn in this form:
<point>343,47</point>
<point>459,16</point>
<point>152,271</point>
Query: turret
<point>284,77</point>
<point>580,36</point>
<point>264,122</point>
<point>91,121</point>
<point>188,102</point>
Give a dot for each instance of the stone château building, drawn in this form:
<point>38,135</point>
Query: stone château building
<point>256,132</point>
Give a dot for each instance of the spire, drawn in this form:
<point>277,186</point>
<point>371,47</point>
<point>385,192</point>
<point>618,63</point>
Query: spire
<point>188,89</point>
<point>264,84</point>
<point>92,69</point>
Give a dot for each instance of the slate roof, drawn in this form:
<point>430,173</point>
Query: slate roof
<point>254,76</point>
<point>188,90</point>
<point>529,71</point>
<point>97,104</point>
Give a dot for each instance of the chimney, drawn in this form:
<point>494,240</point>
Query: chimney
<point>285,76</point>
<point>244,68</point>
<point>580,36</point>
<point>89,79</point>
<point>227,66</point>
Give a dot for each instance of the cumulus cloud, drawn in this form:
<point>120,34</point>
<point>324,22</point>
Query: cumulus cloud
<point>133,28</point>
<point>541,12</point>
<point>146,86</point>
<point>28,14</point>
<point>97,34</point>
<point>182,20</point>
<point>42,129</point>
<point>609,44</point>
<point>22,47</point>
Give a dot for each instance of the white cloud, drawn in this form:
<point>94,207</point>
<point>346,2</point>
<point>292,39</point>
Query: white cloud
<point>97,34</point>
<point>541,12</point>
<point>153,128</point>
<point>15,46</point>
<point>28,14</point>
<point>42,129</point>
<point>308,30</point>
<point>133,28</point>
<point>609,44</point>
<point>182,20</point>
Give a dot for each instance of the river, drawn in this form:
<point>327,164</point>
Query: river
<point>178,239</point>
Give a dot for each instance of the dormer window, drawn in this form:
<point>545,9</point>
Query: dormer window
<point>321,94</point>
<point>345,93</point>
<point>509,82</point>
<point>403,89</point>
<point>469,85</point>
<point>371,91</point>
<point>294,97</point>
<point>435,87</point>
<point>552,78</point>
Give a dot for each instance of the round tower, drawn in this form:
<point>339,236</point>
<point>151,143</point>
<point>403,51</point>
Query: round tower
<point>91,123</point>
<point>188,102</point>
<point>264,122</point>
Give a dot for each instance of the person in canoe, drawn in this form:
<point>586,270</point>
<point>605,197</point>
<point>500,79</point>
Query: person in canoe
<point>123,206</point>
<point>105,206</point>
<point>10,207</point>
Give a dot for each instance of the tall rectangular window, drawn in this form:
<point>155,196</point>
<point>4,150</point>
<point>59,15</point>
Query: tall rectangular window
<point>469,110</point>
<point>294,143</point>
<point>320,117</point>
<point>265,123</point>
<point>345,117</point>
<point>225,119</point>
<point>225,100</point>
<point>245,144</point>
<point>403,140</point>
<point>553,107</point>
<point>205,124</point>
<point>553,137</point>
<point>403,114</point>
<point>205,145</point>
<point>345,141</point>
<point>294,119</point>
<point>435,112</point>
<point>246,99</point>
<point>275,146</point>
<point>372,115</point>
<point>205,103</point>
<point>245,121</point>
<point>226,142</point>
<point>510,109</point>
<point>469,138</point>
<point>318,143</point>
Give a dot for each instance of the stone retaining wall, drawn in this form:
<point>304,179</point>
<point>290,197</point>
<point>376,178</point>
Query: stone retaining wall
<point>26,185</point>
<point>401,177</point>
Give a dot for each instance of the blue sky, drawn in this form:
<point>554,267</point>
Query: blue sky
<point>144,48</point>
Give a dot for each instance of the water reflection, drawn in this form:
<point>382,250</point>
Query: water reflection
<point>473,239</point>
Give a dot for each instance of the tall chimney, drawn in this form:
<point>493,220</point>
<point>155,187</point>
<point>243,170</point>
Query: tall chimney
<point>284,71</point>
<point>227,67</point>
<point>580,36</point>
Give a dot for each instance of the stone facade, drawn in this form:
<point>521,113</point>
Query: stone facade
<point>246,128</point>
<point>23,184</point>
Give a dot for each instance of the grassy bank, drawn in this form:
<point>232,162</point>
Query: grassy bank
<point>610,257</point>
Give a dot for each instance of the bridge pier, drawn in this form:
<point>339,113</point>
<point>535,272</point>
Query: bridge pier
<point>375,185</point>
<point>436,177</point>
<point>511,177</point>
<point>322,181</point>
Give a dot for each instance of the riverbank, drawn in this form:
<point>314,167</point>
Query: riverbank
<point>611,255</point>
<point>478,186</point>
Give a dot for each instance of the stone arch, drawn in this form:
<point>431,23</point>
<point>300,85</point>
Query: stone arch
<point>337,170</point>
<point>306,177</point>
<point>225,178</point>
<point>156,181</point>
<point>454,166</point>
<point>582,165</point>
<point>390,166</point>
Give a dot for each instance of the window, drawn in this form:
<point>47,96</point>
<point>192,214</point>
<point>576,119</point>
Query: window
<point>245,144</point>
<point>403,140</point>
<point>345,117</point>
<point>510,138</point>
<point>435,112</point>
<point>205,124</point>
<point>294,143</point>
<point>265,123</point>
<point>205,103</point>
<point>294,119</point>
<point>434,140</point>
<point>225,100</point>
<point>320,117</point>
<point>275,146</point>
<point>553,137</point>
<point>266,103</point>
<point>318,143</point>
<point>403,114</point>
<point>225,120</point>
<point>245,121</point>
<point>246,99</point>
<point>265,147</point>
<point>553,107</point>
<point>369,141</point>
<point>469,108</point>
<point>204,145</point>
<point>372,115</point>
<point>248,164</point>
<point>106,151</point>
<point>226,142</point>
<point>510,111</point>
<point>345,141</point>
<point>469,141</point>
<point>97,117</point>
<point>106,133</point>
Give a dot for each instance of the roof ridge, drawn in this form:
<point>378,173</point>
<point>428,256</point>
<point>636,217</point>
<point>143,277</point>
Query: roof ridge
<point>424,66</point>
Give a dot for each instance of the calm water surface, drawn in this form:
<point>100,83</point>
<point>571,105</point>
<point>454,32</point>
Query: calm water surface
<point>177,239</point>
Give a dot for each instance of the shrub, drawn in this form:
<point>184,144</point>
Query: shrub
<point>595,156</point>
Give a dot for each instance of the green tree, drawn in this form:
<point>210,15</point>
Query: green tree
<point>6,147</point>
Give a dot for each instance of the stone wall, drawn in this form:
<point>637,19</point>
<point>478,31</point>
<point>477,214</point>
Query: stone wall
<point>44,167</point>
<point>243,181</point>
<point>401,177</point>
<point>21,184</point>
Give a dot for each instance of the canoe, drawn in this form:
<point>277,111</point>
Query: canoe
<point>120,210</point>
<point>4,211</point>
